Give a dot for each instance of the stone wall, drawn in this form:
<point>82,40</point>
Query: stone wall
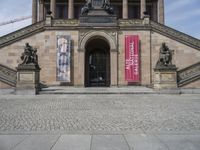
<point>183,57</point>
<point>195,84</point>
<point>4,86</point>
<point>45,42</point>
<point>150,43</point>
<point>144,47</point>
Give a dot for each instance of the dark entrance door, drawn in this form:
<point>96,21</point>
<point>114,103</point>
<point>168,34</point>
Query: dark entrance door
<point>97,68</point>
<point>97,64</point>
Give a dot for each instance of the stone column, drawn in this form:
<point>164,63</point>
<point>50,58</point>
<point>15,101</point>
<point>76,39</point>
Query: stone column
<point>142,8</point>
<point>34,11</point>
<point>125,9</point>
<point>53,8</point>
<point>41,13</point>
<point>155,11</point>
<point>161,11</point>
<point>70,9</point>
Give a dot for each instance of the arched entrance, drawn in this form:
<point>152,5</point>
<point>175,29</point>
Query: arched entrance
<point>97,63</point>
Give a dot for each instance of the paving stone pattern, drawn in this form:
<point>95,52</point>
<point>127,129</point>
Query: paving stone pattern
<point>101,142</point>
<point>99,114</point>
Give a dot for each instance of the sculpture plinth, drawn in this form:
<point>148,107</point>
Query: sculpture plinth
<point>28,77</point>
<point>97,13</point>
<point>165,73</point>
<point>28,73</point>
<point>165,78</point>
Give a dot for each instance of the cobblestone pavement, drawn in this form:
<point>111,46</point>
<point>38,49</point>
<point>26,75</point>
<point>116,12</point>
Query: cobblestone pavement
<point>99,114</point>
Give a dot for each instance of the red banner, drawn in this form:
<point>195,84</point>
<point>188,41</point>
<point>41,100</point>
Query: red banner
<point>132,65</point>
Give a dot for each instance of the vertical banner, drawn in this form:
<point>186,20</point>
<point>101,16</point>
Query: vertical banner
<point>132,66</point>
<point>63,58</point>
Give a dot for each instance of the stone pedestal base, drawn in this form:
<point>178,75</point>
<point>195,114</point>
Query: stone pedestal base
<point>165,78</point>
<point>98,17</point>
<point>28,78</point>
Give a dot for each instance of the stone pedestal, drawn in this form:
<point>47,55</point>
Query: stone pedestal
<point>146,20</point>
<point>98,17</point>
<point>28,79</point>
<point>48,21</point>
<point>165,78</point>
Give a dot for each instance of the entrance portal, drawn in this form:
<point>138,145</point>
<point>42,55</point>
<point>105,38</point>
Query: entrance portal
<point>97,63</point>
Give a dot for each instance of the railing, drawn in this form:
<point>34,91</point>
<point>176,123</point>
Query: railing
<point>189,74</point>
<point>17,35</point>
<point>176,35</point>
<point>8,75</point>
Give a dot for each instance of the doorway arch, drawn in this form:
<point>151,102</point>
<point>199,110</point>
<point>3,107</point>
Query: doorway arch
<point>97,62</point>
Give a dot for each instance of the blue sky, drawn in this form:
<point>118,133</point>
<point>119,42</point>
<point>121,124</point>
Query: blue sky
<point>183,15</point>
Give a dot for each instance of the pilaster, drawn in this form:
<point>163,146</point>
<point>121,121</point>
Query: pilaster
<point>114,67</point>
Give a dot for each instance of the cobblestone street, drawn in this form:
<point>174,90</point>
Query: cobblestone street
<point>99,114</point>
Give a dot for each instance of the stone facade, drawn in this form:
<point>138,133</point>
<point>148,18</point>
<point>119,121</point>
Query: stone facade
<point>150,43</point>
<point>144,52</point>
<point>43,36</point>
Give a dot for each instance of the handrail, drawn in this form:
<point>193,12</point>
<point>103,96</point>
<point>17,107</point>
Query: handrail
<point>188,74</point>
<point>176,35</point>
<point>24,32</point>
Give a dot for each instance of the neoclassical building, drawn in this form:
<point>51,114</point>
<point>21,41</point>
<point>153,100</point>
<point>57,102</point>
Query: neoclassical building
<point>124,9</point>
<point>100,43</point>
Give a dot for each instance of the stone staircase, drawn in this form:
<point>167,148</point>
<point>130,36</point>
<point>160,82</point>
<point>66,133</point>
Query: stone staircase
<point>191,73</point>
<point>8,75</point>
<point>185,76</point>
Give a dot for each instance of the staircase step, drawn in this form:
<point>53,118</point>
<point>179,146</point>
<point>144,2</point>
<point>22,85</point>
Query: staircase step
<point>98,90</point>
